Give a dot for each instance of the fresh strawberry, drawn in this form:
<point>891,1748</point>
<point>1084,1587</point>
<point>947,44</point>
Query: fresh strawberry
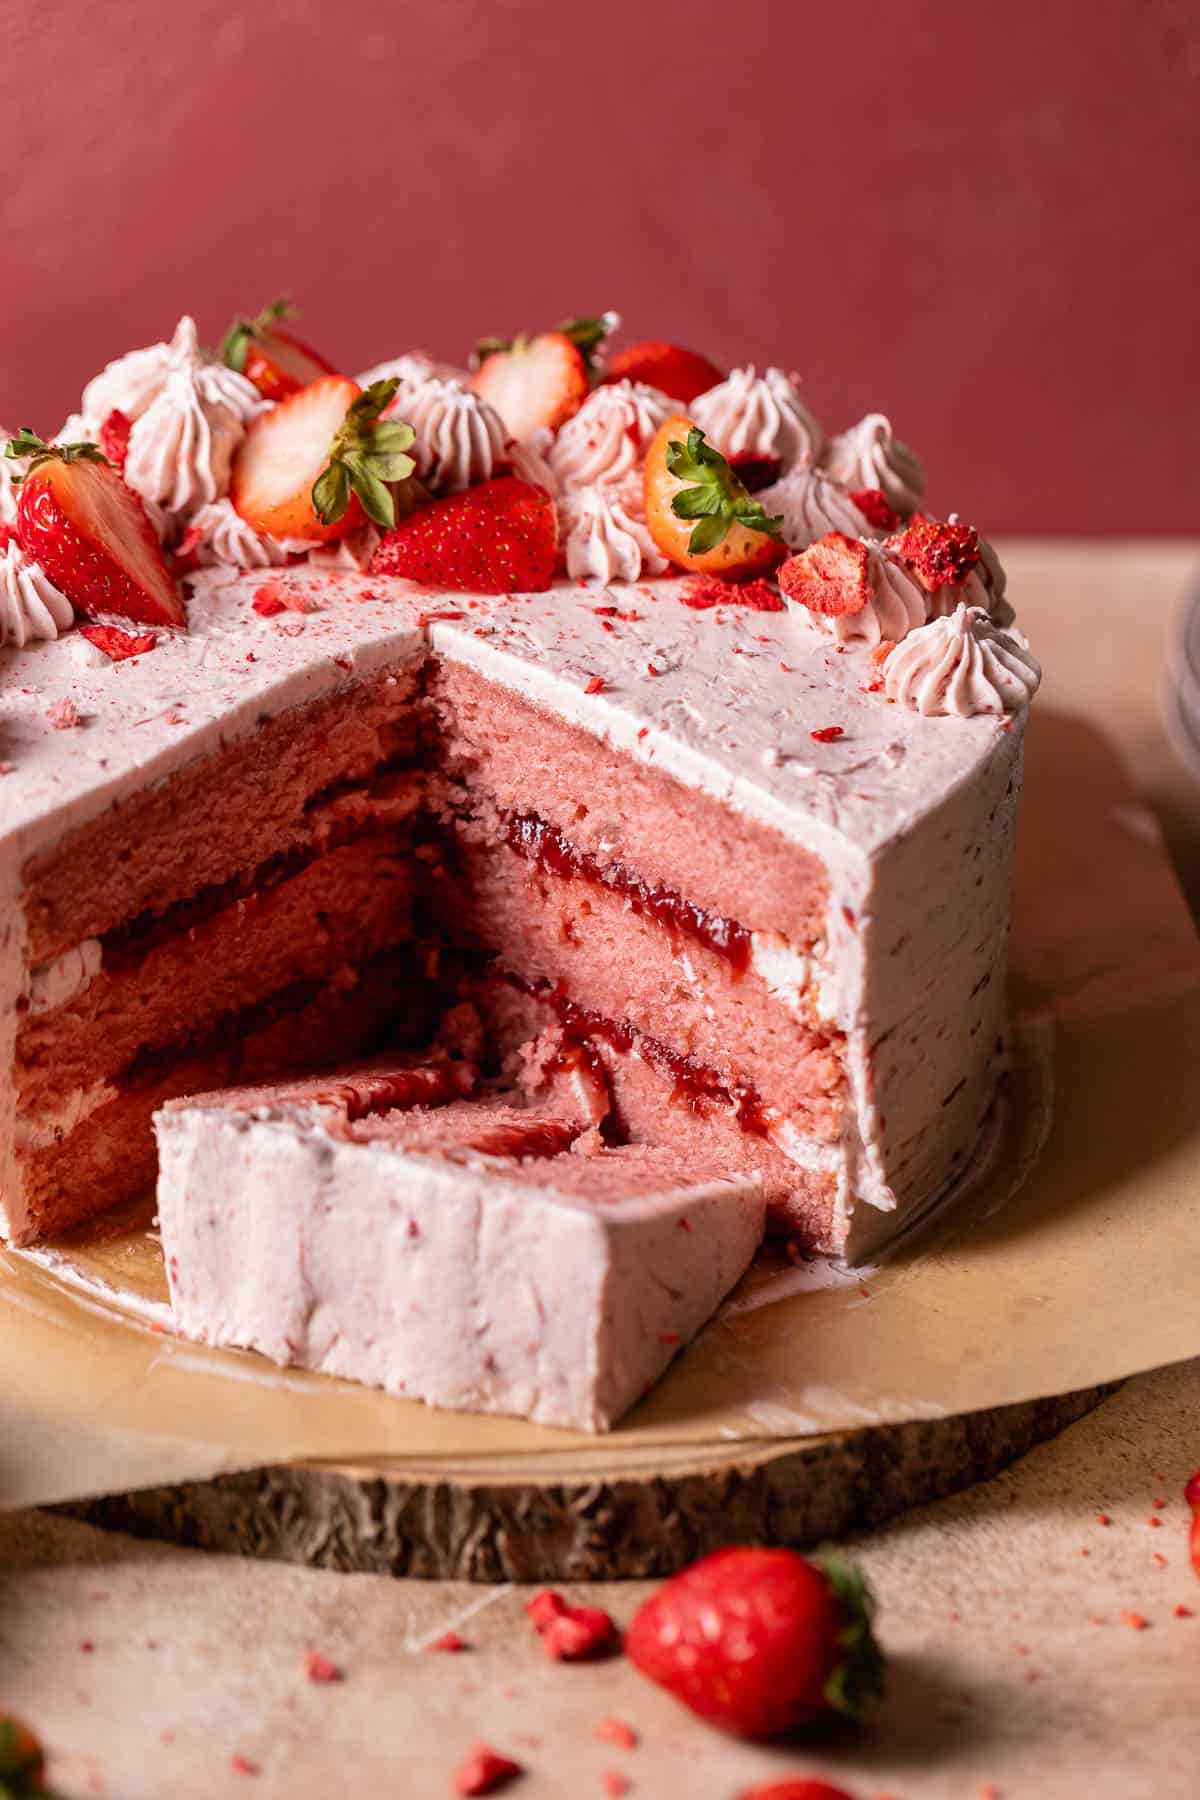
<point>698,512</point>
<point>114,439</point>
<point>938,553</point>
<point>90,533</point>
<point>273,358</point>
<point>681,373</point>
<point>316,464</point>
<point>533,383</point>
<point>760,1641</point>
<point>830,577</point>
<point>499,537</point>
<point>22,1759</point>
<point>799,1789</point>
<point>1192,1495</point>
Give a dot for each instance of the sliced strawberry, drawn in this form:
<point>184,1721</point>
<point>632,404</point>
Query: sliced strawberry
<point>277,361</point>
<point>500,537</point>
<point>698,512</point>
<point>538,383</point>
<point>830,577</point>
<point>681,373</point>
<point>319,462</point>
<point>114,439</point>
<point>90,533</point>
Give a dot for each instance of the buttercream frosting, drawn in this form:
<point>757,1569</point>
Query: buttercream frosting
<point>811,504</point>
<point>896,604</point>
<point>218,534</point>
<point>749,414</point>
<point>11,470</point>
<point>411,367</point>
<point>606,441</point>
<point>459,439</point>
<point>869,455</point>
<point>31,607</point>
<point>605,540</point>
<point>528,462</point>
<point>962,665</point>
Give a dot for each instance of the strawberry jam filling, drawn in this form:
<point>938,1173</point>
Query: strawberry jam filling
<point>546,846</point>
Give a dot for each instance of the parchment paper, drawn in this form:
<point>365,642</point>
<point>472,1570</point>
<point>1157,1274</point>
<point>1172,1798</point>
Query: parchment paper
<point>1077,1261</point>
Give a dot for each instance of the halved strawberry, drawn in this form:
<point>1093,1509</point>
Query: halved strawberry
<point>273,358</point>
<point>499,537</point>
<point>681,373</point>
<point>90,533</point>
<point>320,461</point>
<point>698,512</point>
<point>534,383</point>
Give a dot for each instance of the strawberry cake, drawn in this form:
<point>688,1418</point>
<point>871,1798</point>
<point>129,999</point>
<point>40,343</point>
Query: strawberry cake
<point>490,843</point>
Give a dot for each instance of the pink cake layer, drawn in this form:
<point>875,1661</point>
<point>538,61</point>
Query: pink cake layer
<point>155,989</point>
<point>627,965</point>
<point>510,755</point>
<point>109,1156</point>
<point>292,779</point>
<point>649,1099</point>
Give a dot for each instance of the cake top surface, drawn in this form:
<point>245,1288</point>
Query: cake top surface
<point>726,699</point>
<point>677,558</point>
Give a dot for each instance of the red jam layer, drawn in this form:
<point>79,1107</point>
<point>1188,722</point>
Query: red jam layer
<point>545,845</point>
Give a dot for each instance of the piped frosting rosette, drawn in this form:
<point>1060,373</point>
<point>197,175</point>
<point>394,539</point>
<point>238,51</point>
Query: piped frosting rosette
<point>31,607</point>
<point>753,418</point>
<point>856,592</point>
<point>605,536</point>
<point>962,665</point>
<point>870,456</point>
<point>606,441</point>
<point>188,413</point>
<point>954,565</point>
<point>811,505</point>
<point>458,438</point>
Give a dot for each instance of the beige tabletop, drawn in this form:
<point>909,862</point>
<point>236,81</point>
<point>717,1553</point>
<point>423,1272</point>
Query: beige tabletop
<point>1009,1614</point>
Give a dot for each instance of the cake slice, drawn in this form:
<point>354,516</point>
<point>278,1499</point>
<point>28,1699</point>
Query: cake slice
<point>465,1252</point>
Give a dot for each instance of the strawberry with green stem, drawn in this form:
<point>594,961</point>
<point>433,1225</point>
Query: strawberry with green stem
<point>321,461</point>
<point>680,373</point>
<point>697,511</point>
<point>277,361</point>
<point>90,533</point>
<point>538,383</point>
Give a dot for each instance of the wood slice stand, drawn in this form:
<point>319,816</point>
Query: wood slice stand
<point>594,1515</point>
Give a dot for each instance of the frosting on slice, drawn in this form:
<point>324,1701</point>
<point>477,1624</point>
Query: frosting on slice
<point>760,416</point>
<point>962,665</point>
<point>810,505</point>
<point>869,455</point>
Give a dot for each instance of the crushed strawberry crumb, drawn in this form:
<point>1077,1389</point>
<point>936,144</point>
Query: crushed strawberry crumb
<point>827,734</point>
<point>117,644</point>
<point>1103,1519</point>
<point>450,1642</point>
<point>703,592</point>
<point>595,685</point>
<point>876,509</point>
<point>1135,1621</point>
<point>242,1765</point>
<point>63,715</point>
<point>269,599</point>
<point>1184,1612</point>
<point>485,1771</point>
<point>319,1668</point>
<point>616,1731</point>
<point>570,1633</point>
<point>615,1783</point>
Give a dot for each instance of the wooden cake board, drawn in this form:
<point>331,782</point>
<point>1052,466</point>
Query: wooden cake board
<point>588,1516</point>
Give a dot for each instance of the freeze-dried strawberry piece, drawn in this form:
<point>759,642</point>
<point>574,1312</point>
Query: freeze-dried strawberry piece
<point>830,577</point>
<point>318,1668</point>
<point>705,591</point>
<point>615,1731</point>
<point>827,734</point>
<point>581,1632</point>
<point>117,644</point>
<point>876,508</point>
<point>269,599</point>
<point>114,439</point>
<point>939,554</point>
<point>544,1608</point>
<point>63,715</point>
<point>485,1771</point>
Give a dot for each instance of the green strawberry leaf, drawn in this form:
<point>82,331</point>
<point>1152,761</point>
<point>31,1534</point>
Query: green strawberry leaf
<point>236,341</point>
<point>27,443</point>
<point>366,456</point>
<point>590,335</point>
<point>858,1675</point>
<point>717,498</point>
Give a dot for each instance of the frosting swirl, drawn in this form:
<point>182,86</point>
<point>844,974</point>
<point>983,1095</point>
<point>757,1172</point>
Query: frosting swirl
<point>218,534</point>
<point>607,439</point>
<point>895,604</point>
<point>354,551</point>
<point>181,449</point>
<point>869,455</point>
<point>605,539</point>
<point>529,464</point>
<point>811,505</point>
<point>961,665</point>
<point>459,438</point>
<point>31,606</point>
<point>759,416</point>
<point>132,383</point>
<point>413,367</point>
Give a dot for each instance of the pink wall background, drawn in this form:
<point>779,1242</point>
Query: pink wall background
<point>981,219</point>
